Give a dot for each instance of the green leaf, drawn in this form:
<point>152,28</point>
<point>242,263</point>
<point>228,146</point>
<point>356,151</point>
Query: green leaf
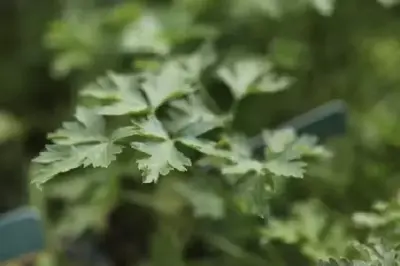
<point>89,127</point>
<point>122,132</point>
<point>375,254</point>
<point>195,63</point>
<point>244,166</point>
<point>285,148</point>
<point>150,127</point>
<point>169,83</point>
<point>122,90</point>
<point>310,226</point>
<point>145,36</point>
<point>281,153</point>
<point>243,158</point>
<point>53,153</point>
<point>82,143</point>
<point>51,162</point>
<point>99,155</point>
<point>190,117</point>
<point>277,141</point>
<point>41,173</point>
<point>241,75</point>
<point>236,161</point>
<point>239,145</point>
<point>308,146</point>
<point>228,161</point>
<point>286,168</point>
<point>369,220</point>
<point>206,147</point>
<point>161,154</point>
<point>162,158</point>
<point>286,141</point>
<point>251,76</point>
<point>272,83</point>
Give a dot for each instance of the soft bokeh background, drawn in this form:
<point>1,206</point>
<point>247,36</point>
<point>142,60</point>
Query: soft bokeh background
<point>343,49</point>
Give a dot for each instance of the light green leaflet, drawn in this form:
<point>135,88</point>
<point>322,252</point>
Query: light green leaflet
<point>248,76</point>
<point>123,91</point>
<point>169,83</point>
<point>162,157</point>
<point>81,143</point>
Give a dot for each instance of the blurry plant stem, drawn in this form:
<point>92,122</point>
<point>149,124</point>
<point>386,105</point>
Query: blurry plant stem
<point>37,200</point>
<point>233,110</point>
<point>274,256</point>
<point>168,241</point>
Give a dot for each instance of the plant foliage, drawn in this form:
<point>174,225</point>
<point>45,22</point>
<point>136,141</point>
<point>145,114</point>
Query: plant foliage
<point>162,93</point>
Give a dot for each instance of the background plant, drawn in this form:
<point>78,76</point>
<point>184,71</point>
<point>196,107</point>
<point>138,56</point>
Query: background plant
<point>329,49</point>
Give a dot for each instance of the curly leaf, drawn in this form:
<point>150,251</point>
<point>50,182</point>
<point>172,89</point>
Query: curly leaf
<point>190,117</point>
<point>162,157</point>
<point>124,92</point>
<point>277,141</point>
<point>206,147</point>
<point>82,143</point>
<point>241,75</point>
<point>244,166</point>
<point>286,168</point>
<point>198,61</point>
<point>89,127</point>
<point>272,83</point>
<point>150,127</point>
<point>41,173</point>
<point>169,83</point>
<point>145,36</point>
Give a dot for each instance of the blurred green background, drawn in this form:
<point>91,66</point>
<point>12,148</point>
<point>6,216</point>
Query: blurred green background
<point>343,49</point>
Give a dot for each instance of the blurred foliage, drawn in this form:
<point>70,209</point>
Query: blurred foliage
<point>374,253</point>
<point>217,72</point>
<point>9,127</point>
<point>382,221</point>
